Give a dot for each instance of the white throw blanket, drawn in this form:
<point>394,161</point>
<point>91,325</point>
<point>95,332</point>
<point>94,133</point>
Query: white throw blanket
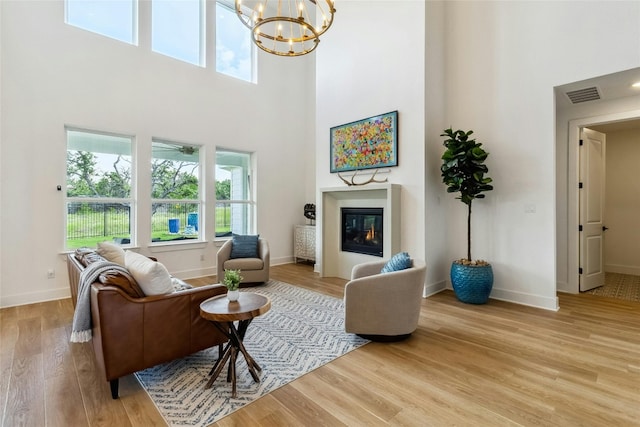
<point>81,326</point>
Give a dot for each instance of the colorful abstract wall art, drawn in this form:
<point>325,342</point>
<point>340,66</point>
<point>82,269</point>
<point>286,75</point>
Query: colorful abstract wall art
<point>365,144</point>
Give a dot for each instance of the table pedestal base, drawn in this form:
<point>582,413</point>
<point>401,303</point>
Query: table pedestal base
<point>230,354</point>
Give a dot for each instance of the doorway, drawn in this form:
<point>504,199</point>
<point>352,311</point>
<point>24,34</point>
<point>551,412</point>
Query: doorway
<point>608,123</point>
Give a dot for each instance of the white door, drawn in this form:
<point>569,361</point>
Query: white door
<point>592,174</point>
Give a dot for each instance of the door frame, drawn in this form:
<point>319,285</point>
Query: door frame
<point>573,178</point>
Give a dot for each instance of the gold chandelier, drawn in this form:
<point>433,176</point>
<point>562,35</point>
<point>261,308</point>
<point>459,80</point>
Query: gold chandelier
<point>286,27</point>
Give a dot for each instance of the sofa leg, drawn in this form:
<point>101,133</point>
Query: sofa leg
<point>114,388</point>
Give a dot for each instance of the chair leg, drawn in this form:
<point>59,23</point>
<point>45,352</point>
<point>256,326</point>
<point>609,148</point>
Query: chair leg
<point>384,338</point>
<point>114,388</point>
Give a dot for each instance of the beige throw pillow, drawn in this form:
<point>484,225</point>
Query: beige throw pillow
<point>152,277</point>
<point>111,252</point>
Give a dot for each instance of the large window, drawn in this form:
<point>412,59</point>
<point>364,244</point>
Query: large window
<point>114,18</point>
<point>99,197</point>
<point>176,201</point>
<point>235,51</point>
<point>234,201</point>
<point>177,29</point>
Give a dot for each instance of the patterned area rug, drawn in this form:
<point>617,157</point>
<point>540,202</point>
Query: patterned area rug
<point>303,331</point>
<point>620,286</point>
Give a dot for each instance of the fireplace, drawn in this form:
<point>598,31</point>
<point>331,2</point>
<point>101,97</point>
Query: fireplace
<point>362,231</point>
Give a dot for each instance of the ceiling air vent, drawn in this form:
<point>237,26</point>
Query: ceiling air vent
<point>584,95</point>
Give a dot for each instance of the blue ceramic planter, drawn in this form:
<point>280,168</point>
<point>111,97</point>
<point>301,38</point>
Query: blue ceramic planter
<point>472,283</point>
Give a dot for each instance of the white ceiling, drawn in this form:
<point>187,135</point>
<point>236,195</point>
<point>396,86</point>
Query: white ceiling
<point>611,86</point>
<point>617,126</point>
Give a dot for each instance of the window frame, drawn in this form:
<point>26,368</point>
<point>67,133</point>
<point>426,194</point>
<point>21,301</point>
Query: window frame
<point>200,201</point>
<point>249,225</point>
<point>134,23</point>
<point>131,200</point>
<point>202,30</point>
<point>253,78</point>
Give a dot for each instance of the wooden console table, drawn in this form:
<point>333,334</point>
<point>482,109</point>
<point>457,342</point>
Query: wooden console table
<point>223,314</point>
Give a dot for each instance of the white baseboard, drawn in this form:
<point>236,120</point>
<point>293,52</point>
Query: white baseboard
<point>531,300</point>
<point>434,288</point>
<point>194,273</point>
<point>622,269</point>
<point>34,297</point>
<point>564,287</point>
<point>213,271</point>
<point>282,260</point>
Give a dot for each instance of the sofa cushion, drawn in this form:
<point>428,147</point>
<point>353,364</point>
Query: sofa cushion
<point>152,276</point>
<point>243,264</point>
<point>400,261</point>
<point>114,278</point>
<point>111,252</point>
<point>244,246</point>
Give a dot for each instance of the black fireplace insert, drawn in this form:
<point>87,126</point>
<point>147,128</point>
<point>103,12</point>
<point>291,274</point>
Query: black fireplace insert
<point>362,230</point>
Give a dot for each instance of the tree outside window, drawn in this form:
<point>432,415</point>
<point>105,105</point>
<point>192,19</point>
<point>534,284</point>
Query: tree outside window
<point>98,200</point>
<point>175,192</point>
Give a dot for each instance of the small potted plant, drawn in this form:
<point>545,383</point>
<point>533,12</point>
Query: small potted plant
<point>232,279</point>
<point>463,171</point>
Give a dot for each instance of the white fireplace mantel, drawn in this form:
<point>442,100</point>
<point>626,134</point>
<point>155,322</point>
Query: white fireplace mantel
<point>330,260</point>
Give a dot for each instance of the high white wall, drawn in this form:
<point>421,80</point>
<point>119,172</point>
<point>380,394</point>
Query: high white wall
<point>435,197</point>
<point>487,66</point>
<point>371,62</point>
<point>622,202</point>
<point>504,59</point>
<point>54,75</point>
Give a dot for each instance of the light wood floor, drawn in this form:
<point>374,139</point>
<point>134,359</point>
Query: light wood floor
<point>497,364</point>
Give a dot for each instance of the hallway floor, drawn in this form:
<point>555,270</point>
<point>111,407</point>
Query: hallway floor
<point>620,286</point>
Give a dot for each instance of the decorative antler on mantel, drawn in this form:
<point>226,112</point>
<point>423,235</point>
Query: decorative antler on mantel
<point>352,182</point>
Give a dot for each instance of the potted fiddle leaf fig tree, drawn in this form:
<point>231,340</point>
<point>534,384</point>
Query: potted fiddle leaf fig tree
<point>463,171</point>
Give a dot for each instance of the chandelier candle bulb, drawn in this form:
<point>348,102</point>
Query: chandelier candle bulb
<point>292,27</point>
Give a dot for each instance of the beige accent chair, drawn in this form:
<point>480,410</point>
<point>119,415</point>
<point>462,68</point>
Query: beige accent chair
<point>253,270</point>
<point>384,306</point>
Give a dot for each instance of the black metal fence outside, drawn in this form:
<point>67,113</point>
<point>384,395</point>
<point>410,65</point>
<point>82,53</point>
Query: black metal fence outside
<point>97,219</point>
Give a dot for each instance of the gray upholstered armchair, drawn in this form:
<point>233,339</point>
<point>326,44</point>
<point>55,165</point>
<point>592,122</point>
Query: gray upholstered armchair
<point>253,270</point>
<point>384,306</point>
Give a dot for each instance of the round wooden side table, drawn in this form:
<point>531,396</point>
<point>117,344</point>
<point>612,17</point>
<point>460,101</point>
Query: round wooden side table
<point>223,313</point>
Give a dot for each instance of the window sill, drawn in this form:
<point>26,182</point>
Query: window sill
<point>169,245</point>
<point>221,241</point>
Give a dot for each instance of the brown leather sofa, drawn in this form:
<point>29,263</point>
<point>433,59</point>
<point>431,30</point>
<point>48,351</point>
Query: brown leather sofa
<point>131,334</point>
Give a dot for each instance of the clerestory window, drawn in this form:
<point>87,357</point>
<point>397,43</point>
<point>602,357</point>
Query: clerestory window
<point>114,18</point>
<point>235,52</point>
<point>177,29</point>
